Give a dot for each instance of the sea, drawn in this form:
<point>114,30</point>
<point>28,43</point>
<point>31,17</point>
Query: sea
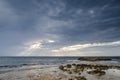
<point>24,61</point>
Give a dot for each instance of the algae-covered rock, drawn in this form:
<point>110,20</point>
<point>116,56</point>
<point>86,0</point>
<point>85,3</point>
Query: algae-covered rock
<point>96,72</point>
<point>80,78</point>
<point>94,59</point>
<point>68,65</point>
<point>61,67</point>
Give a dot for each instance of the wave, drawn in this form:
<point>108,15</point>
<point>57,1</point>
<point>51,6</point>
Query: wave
<point>14,66</point>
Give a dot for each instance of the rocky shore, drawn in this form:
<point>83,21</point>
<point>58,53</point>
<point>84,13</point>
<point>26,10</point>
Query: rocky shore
<point>87,69</point>
<point>78,71</point>
<point>90,69</point>
<point>94,59</point>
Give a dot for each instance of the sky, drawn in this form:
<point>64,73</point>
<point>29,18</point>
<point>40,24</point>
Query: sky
<point>59,27</point>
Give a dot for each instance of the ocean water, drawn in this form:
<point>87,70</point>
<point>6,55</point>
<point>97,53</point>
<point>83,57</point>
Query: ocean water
<point>24,61</point>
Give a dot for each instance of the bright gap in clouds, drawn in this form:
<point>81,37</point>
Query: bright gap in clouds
<point>30,48</point>
<point>51,41</point>
<point>35,46</point>
<point>82,46</point>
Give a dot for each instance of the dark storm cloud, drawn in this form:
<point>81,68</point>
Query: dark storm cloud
<point>65,21</point>
<point>97,21</point>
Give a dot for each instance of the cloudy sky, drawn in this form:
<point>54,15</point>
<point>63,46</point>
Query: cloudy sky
<point>59,27</point>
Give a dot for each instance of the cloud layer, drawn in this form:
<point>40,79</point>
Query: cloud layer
<point>57,24</point>
<point>82,46</point>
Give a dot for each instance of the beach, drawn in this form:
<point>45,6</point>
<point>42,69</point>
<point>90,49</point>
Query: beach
<point>69,69</point>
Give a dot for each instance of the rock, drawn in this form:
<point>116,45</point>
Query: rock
<point>116,67</point>
<point>61,67</point>
<point>73,64</point>
<point>80,78</point>
<point>76,70</point>
<point>69,72</point>
<point>68,66</point>
<point>96,72</point>
<point>94,59</point>
<point>70,79</point>
<point>79,73</point>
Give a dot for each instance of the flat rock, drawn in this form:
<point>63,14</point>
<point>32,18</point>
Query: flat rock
<point>94,59</point>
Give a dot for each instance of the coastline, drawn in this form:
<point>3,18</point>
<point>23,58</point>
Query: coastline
<point>53,72</point>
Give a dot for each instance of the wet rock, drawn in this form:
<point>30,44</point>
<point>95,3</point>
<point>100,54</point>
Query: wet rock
<point>73,64</point>
<point>96,72</point>
<point>68,66</point>
<point>79,73</point>
<point>116,67</point>
<point>80,78</point>
<point>69,72</point>
<point>61,67</point>
<point>76,70</point>
<point>94,59</point>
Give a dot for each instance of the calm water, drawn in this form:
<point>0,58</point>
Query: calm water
<point>18,61</point>
<point>24,61</point>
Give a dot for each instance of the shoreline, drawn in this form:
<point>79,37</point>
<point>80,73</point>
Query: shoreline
<point>72,70</point>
